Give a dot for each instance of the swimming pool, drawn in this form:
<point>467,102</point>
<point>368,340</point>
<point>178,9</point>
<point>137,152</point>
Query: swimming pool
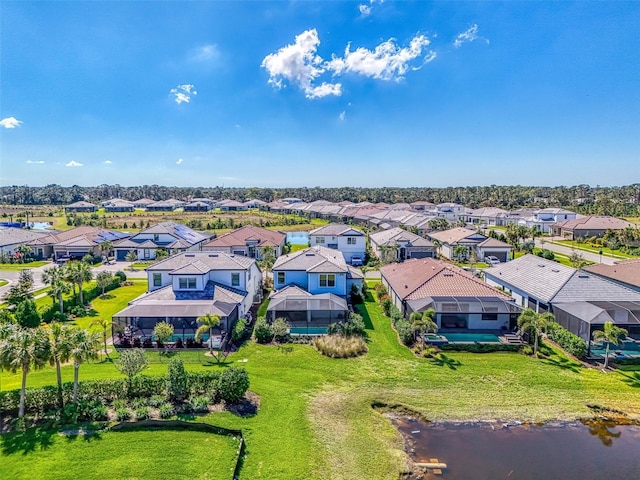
<point>308,331</point>
<point>471,337</point>
<point>624,349</point>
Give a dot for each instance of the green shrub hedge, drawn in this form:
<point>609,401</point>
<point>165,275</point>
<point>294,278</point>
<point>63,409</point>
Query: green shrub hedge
<point>571,343</point>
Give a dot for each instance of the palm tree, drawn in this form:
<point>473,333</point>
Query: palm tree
<point>24,349</point>
<point>105,249</point>
<point>79,272</point>
<point>423,323</point>
<point>536,323</point>
<point>60,341</point>
<point>610,335</point>
<point>84,347</point>
<point>55,278</point>
<point>209,322</point>
<point>105,325</point>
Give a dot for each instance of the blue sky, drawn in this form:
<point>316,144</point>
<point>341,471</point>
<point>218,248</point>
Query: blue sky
<point>277,94</point>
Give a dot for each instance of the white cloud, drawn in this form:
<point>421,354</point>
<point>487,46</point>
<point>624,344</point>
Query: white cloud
<point>204,53</point>
<point>467,36</point>
<point>299,64</point>
<point>183,93</point>
<point>365,10</point>
<point>10,122</point>
<point>35,162</point>
<point>342,115</point>
<point>107,162</point>
<point>179,161</point>
<point>386,62</point>
<point>73,163</point>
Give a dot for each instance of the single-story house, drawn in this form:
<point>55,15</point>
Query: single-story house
<point>470,239</point>
<point>81,206</point>
<point>461,301</point>
<point>11,238</point>
<point>589,226</point>
<point>170,236</point>
<point>197,206</point>
<point>625,273</point>
<point>406,244</point>
<point>165,205</point>
<point>248,241</point>
<point>143,203</point>
<point>118,205</point>
<point>74,243</point>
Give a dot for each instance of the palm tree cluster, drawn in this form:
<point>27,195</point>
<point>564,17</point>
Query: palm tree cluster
<point>26,349</point>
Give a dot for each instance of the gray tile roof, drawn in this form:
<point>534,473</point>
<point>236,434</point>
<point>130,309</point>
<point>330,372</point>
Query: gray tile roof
<point>394,235</point>
<point>539,277</point>
<point>313,259</point>
<point>584,286</point>
<point>12,236</point>
<point>335,229</point>
<point>212,261</point>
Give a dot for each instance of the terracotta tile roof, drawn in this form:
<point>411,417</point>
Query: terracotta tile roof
<point>240,236</point>
<point>627,271</point>
<point>427,277</point>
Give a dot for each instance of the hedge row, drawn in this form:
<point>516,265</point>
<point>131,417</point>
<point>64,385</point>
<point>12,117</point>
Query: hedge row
<point>571,343</point>
<point>42,399</point>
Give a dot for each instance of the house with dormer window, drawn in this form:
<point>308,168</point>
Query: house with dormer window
<point>189,285</point>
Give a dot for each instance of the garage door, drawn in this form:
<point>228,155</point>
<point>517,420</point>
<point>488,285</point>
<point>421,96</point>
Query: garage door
<point>421,255</point>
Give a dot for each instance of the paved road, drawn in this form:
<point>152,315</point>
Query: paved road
<point>592,257</point>
<point>13,275</point>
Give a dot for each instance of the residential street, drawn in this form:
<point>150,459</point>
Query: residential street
<point>592,257</point>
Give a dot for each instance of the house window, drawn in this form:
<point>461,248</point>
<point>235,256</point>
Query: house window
<point>156,237</point>
<point>235,279</point>
<point>157,279</point>
<point>187,283</point>
<point>319,239</point>
<point>449,307</point>
<point>280,277</point>
<point>327,280</point>
<point>351,240</point>
<point>490,317</point>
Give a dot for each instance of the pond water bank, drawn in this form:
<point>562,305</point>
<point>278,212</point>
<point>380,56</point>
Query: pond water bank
<point>569,451</point>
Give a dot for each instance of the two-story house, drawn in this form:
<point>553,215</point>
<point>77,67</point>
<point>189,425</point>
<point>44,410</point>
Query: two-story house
<point>311,288</point>
<point>351,242</point>
<point>189,285</point>
<point>248,241</point>
<point>170,236</point>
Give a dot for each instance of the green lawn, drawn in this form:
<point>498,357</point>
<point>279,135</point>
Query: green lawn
<point>165,454</point>
<point>316,419</point>
<point>587,247</point>
<point>112,302</point>
<point>3,282</point>
<point>20,266</point>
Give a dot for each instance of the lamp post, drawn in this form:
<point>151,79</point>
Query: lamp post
<point>600,253</point>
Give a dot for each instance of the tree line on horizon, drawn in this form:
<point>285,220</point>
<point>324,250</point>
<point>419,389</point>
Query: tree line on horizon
<point>616,201</point>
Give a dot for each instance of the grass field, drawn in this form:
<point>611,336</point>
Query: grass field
<point>587,247</point>
<point>316,419</point>
<point>165,454</point>
<point>20,266</point>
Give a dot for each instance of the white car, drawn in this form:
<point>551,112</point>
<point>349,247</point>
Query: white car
<point>491,260</point>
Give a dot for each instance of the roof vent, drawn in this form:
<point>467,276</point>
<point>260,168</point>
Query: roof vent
<point>541,265</point>
<point>190,255</point>
<point>213,255</point>
<point>406,286</point>
<point>583,276</point>
<point>555,270</point>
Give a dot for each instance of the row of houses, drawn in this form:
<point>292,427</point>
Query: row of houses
<point>193,205</point>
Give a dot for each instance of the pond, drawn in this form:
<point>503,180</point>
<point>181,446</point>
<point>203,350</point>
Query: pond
<point>39,225</point>
<point>298,238</point>
<point>602,450</point>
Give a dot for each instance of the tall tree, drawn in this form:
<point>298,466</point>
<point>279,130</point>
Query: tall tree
<point>26,314</point>
<point>60,342</point>
<point>609,335</point>
<point>105,248</point>
<point>79,272</point>
<point>535,323</point>
<point>105,326</point>
<point>208,323</point>
<point>103,280</point>
<point>22,350</point>
<point>84,347</point>
<point>267,258</point>
<point>423,323</point>
<point>57,281</point>
<point>21,290</point>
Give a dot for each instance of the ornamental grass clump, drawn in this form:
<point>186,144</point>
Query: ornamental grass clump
<point>336,346</point>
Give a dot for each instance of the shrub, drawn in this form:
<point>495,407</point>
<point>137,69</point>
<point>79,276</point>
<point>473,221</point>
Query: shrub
<point>386,303</point>
<point>121,276</point>
<point>98,413</point>
<point>142,413</point>
<point>166,410</point>
<point>177,381</point>
<point>239,330</point>
<point>380,290</point>
<point>200,404</point>
<point>123,414</point>
<point>336,346</point>
<point>571,343</point>
<point>405,332</point>
<point>146,343</point>
<point>356,295</point>
<point>352,327</point>
<point>263,331</point>
<point>526,350</point>
<point>179,343</point>
<point>395,314</point>
<point>233,384</point>
<point>280,330</point>
<point>163,332</point>
<point>204,382</point>
<point>155,401</point>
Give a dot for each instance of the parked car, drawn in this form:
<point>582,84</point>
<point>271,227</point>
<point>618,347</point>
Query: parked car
<point>491,260</point>
<point>356,261</point>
